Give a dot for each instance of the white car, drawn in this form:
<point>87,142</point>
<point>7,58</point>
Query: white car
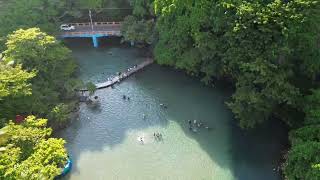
<point>67,27</point>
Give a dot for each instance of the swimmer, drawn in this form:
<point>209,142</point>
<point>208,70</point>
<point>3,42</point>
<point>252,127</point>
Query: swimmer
<point>124,97</point>
<point>208,128</point>
<point>143,116</point>
<point>189,122</point>
<point>194,121</point>
<point>128,98</point>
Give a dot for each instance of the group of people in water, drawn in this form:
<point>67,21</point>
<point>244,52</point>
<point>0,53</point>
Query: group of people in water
<point>164,106</point>
<point>195,125</point>
<point>157,136</point>
<point>124,97</point>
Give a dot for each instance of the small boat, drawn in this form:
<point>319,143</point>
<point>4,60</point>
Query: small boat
<point>67,168</point>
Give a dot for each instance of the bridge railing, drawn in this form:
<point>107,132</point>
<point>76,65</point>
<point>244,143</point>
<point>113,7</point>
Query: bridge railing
<point>97,24</point>
<point>109,33</point>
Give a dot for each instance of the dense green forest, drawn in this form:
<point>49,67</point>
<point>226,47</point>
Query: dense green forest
<point>269,51</point>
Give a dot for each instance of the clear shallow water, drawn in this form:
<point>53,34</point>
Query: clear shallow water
<point>104,142</point>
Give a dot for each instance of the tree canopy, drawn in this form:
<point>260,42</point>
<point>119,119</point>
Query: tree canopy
<point>14,81</point>
<point>303,158</point>
<point>55,81</point>
<point>28,153</point>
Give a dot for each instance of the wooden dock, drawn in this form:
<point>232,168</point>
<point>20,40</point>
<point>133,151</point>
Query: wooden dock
<point>123,75</point>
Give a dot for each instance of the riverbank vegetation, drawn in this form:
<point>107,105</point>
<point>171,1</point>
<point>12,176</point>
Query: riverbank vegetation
<point>37,76</point>
<point>26,152</point>
<point>269,51</point>
<point>52,87</point>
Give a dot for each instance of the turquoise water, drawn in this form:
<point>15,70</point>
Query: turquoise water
<point>104,142</point>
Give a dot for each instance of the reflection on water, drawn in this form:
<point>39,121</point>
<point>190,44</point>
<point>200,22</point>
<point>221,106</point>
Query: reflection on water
<point>105,142</point>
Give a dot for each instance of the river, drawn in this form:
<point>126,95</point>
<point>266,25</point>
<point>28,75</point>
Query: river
<point>104,142</point>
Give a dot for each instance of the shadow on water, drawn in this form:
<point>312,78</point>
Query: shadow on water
<point>257,152</point>
<point>249,155</point>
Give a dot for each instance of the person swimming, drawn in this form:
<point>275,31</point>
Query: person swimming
<point>199,124</point>
<point>141,140</point>
<point>163,105</point>
<point>124,97</point>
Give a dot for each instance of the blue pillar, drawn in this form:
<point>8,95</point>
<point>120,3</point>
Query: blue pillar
<point>95,41</point>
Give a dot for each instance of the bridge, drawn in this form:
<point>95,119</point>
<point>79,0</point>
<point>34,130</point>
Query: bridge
<point>94,31</point>
<point>122,75</point>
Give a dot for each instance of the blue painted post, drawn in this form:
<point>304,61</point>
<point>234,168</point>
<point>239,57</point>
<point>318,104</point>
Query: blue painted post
<point>95,41</point>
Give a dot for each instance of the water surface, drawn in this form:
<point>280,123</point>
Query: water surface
<point>104,142</point>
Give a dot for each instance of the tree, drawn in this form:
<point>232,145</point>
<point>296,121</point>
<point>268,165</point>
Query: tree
<point>29,154</point>
<point>59,115</point>
<point>303,158</point>
<point>45,14</point>
<point>140,26</point>
<point>91,88</point>
<point>55,67</point>
<point>139,31</point>
<point>91,4</point>
<point>14,81</point>
<point>311,107</point>
<point>143,8</point>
